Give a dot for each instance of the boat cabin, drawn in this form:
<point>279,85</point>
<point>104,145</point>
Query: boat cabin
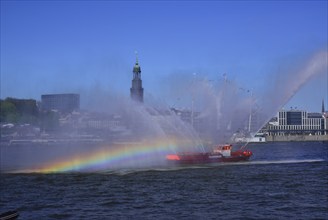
<point>225,150</point>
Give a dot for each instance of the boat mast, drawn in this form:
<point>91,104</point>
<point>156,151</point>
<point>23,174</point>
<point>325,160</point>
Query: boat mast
<point>192,101</point>
<point>250,113</point>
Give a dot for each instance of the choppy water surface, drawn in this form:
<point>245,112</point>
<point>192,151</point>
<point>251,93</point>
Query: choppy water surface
<point>285,180</point>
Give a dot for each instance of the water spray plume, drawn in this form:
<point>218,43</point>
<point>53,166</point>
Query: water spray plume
<point>291,82</point>
<point>315,66</point>
<point>153,133</point>
<point>154,130</point>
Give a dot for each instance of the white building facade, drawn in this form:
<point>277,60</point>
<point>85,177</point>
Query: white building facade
<point>296,122</point>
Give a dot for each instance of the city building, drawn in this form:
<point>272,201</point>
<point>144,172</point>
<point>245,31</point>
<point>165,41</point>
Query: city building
<point>60,102</point>
<point>297,122</point>
<point>136,90</point>
<point>189,117</point>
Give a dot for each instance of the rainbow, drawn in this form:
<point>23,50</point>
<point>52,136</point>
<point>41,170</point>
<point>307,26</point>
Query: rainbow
<point>121,155</point>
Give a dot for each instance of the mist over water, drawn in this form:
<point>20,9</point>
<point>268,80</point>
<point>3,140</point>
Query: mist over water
<point>226,107</point>
<point>152,120</point>
<point>150,133</point>
<point>221,108</point>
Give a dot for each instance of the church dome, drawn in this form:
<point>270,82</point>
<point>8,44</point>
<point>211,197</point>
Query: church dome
<point>136,68</point>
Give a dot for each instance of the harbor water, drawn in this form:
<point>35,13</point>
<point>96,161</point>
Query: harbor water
<point>281,181</point>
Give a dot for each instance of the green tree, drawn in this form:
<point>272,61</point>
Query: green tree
<point>8,112</point>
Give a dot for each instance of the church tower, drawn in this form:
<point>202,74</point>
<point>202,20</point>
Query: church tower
<point>136,90</point>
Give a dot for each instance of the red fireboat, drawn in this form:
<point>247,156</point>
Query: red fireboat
<point>221,153</point>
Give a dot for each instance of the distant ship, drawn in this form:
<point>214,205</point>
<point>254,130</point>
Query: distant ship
<point>257,138</point>
<point>220,154</point>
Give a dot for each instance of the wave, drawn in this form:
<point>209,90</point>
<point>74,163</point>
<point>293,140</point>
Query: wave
<point>208,166</point>
<point>285,161</point>
<point>128,171</point>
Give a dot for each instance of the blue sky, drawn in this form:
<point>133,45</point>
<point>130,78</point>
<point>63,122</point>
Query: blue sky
<point>71,46</point>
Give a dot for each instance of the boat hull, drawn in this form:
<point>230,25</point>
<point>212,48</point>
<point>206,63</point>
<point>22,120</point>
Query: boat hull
<point>207,158</point>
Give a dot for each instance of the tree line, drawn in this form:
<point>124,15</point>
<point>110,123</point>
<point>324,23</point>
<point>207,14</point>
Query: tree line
<point>27,111</point>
